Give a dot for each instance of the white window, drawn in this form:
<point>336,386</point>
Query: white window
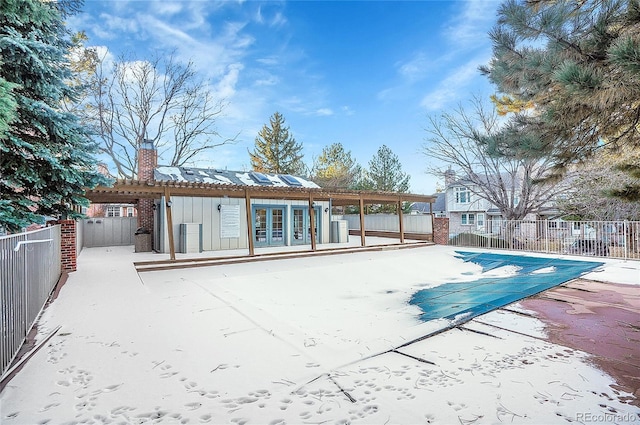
<point>480,220</point>
<point>558,224</point>
<point>113,211</point>
<point>468,219</point>
<point>129,211</point>
<point>463,195</point>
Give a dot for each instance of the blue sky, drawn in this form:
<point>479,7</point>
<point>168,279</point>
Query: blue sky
<point>362,73</point>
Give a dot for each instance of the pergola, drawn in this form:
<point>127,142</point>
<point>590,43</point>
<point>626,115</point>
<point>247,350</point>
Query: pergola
<point>130,191</point>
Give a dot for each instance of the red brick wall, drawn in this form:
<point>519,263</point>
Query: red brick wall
<point>147,162</point>
<point>441,230</point>
<point>68,245</point>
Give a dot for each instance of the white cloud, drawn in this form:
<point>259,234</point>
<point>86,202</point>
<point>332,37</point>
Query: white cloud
<point>268,80</point>
<point>470,27</point>
<point>168,7</point>
<point>323,112</point>
<point>278,20</point>
<point>269,61</point>
<point>454,87</point>
<point>111,26</point>
<point>347,110</point>
<point>227,86</point>
<point>416,67</point>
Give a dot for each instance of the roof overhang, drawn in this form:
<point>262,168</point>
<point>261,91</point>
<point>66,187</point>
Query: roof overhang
<point>130,191</point>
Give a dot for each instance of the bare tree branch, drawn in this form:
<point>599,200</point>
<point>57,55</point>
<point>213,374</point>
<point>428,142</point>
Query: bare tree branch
<point>159,100</point>
<point>459,141</point>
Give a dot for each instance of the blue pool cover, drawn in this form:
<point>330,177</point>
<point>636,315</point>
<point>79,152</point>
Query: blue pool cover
<point>472,299</point>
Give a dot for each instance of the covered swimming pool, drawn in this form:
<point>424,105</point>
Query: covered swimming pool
<point>466,300</point>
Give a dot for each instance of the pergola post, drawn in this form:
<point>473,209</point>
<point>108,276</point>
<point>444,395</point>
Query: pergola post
<point>250,232</point>
<point>312,222</point>
<point>401,220</point>
<point>167,203</point>
<point>362,241</point>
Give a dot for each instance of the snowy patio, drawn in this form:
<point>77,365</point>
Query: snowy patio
<point>302,340</point>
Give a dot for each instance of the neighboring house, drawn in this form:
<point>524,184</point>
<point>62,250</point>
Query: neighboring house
<point>110,210</point>
<point>439,206</point>
<point>221,222</point>
<point>470,213</point>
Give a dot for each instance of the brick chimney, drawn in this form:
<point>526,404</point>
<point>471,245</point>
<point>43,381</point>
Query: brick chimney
<point>147,162</point>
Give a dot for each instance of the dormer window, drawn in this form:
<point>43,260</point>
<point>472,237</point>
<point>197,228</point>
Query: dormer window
<point>462,194</point>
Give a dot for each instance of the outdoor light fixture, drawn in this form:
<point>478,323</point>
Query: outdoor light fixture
<point>154,207</point>
<point>326,210</point>
<point>169,204</point>
<point>219,207</point>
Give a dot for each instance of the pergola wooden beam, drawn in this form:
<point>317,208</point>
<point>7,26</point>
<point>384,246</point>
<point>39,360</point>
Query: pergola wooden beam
<point>247,202</point>
<point>129,191</point>
<point>312,223</point>
<point>167,202</point>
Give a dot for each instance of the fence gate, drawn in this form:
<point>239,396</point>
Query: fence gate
<point>109,231</point>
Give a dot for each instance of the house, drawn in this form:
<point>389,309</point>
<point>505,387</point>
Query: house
<point>109,210</point>
<point>468,212</point>
<point>211,223</point>
<point>439,206</point>
<point>222,220</point>
<point>199,209</point>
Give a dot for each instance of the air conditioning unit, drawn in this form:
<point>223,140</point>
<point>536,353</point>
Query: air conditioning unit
<point>339,231</point>
<point>190,238</point>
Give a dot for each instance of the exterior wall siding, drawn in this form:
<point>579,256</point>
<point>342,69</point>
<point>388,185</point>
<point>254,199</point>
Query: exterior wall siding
<point>205,211</point>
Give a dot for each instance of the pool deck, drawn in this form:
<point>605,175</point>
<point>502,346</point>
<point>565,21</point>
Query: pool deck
<point>146,362</point>
<point>602,319</point>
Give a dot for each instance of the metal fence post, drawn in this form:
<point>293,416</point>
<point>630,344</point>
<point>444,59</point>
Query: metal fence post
<point>625,226</point>
<point>546,235</point>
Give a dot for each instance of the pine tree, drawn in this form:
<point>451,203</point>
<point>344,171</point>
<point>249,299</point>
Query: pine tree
<point>8,106</point>
<point>335,167</point>
<point>276,151</point>
<point>385,172</point>
<point>577,63</point>
<point>45,154</point>
<point>385,175</point>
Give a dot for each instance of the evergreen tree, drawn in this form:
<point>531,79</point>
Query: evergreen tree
<point>335,167</point>
<point>276,151</point>
<point>45,154</point>
<point>385,175</point>
<point>590,185</point>
<point>385,172</point>
<point>8,106</point>
<point>576,63</point>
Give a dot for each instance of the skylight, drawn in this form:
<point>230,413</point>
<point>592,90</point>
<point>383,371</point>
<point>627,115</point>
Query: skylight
<point>290,180</point>
<point>259,177</point>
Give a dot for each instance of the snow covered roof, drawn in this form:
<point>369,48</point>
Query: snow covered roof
<point>226,177</point>
<point>438,205</point>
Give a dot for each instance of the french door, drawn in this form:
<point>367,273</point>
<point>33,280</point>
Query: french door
<point>301,231</point>
<point>269,225</point>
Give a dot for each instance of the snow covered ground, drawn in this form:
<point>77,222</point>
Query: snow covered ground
<point>306,340</point>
